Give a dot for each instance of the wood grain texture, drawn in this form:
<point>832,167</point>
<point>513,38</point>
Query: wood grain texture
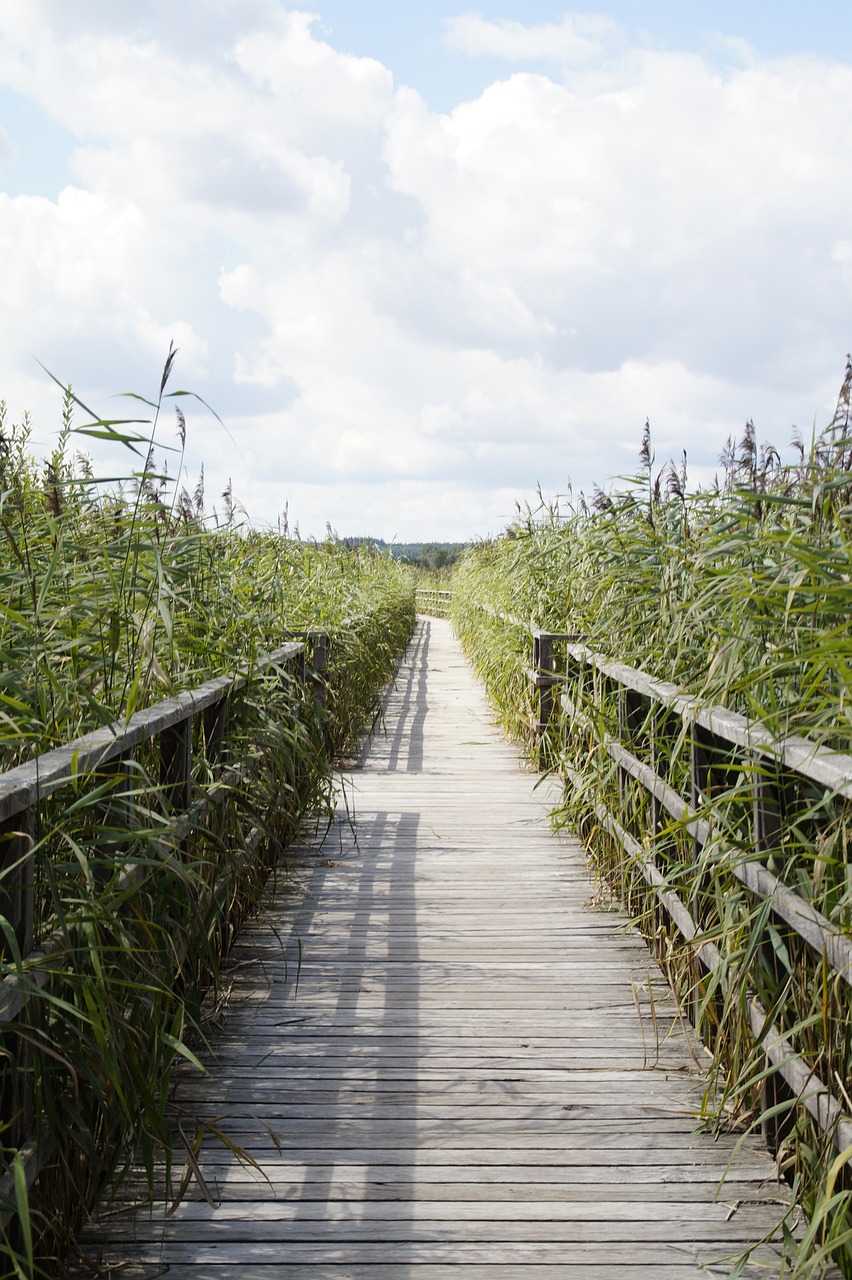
<point>446,1057</point>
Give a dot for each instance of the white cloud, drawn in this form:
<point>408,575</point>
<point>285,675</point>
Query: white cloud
<point>651,215</point>
<point>578,38</point>
<point>408,318</point>
<point>314,83</point>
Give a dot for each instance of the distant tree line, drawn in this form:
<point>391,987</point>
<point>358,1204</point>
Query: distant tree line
<point>426,555</point>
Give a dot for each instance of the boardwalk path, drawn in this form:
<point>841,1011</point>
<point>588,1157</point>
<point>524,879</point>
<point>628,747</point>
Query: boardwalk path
<point>456,1082</point>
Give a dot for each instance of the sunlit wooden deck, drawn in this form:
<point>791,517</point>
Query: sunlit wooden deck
<point>434,1050</point>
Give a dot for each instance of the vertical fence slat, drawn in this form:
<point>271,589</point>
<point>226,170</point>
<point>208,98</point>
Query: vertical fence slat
<point>543,667</point>
<point>766,807</point>
<point>17,837</point>
<point>215,724</point>
<point>17,904</point>
<point>319,665</point>
<point>176,765</point>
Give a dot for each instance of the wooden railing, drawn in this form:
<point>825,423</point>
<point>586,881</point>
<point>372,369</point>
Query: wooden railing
<point>436,604</point>
<point>169,734</point>
<point>733,790</point>
<point>684,792</point>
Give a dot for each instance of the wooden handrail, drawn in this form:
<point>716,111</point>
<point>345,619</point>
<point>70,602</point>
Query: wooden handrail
<point>759,753</point>
<point>24,787</point>
<point>830,769</point>
<point>27,784</point>
<point>754,744</point>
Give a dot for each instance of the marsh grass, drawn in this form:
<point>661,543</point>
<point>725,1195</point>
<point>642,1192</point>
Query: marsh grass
<point>741,595</point>
<point>114,596</point>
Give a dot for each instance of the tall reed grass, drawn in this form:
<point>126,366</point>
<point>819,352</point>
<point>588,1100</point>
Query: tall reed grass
<point>740,594</point>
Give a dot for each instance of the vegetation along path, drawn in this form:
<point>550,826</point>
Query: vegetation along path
<point>444,1059</point>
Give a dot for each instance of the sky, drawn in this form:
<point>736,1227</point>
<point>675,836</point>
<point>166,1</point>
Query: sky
<point>425,261</point>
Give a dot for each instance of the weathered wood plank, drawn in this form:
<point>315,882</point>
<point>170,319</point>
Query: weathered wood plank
<point>693,1261</point>
<point>329,1182</point>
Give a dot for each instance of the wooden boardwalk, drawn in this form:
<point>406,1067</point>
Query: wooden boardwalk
<point>435,1054</point>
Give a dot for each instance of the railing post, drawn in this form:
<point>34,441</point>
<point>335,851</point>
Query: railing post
<point>632,716</point>
<point>624,738</point>
<point>17,873</point>
<point>301,664</point>
<point>176,765</point>
<point>699,783</point>
<point>215,724</point>
<point>656,730</point>
<point>17,900</point>
<point>543,669</point>
<point>767,838</point>
<point>114,814</point>
<point>319,665</point>
<point>767,814</point>
<point>699,777</point>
